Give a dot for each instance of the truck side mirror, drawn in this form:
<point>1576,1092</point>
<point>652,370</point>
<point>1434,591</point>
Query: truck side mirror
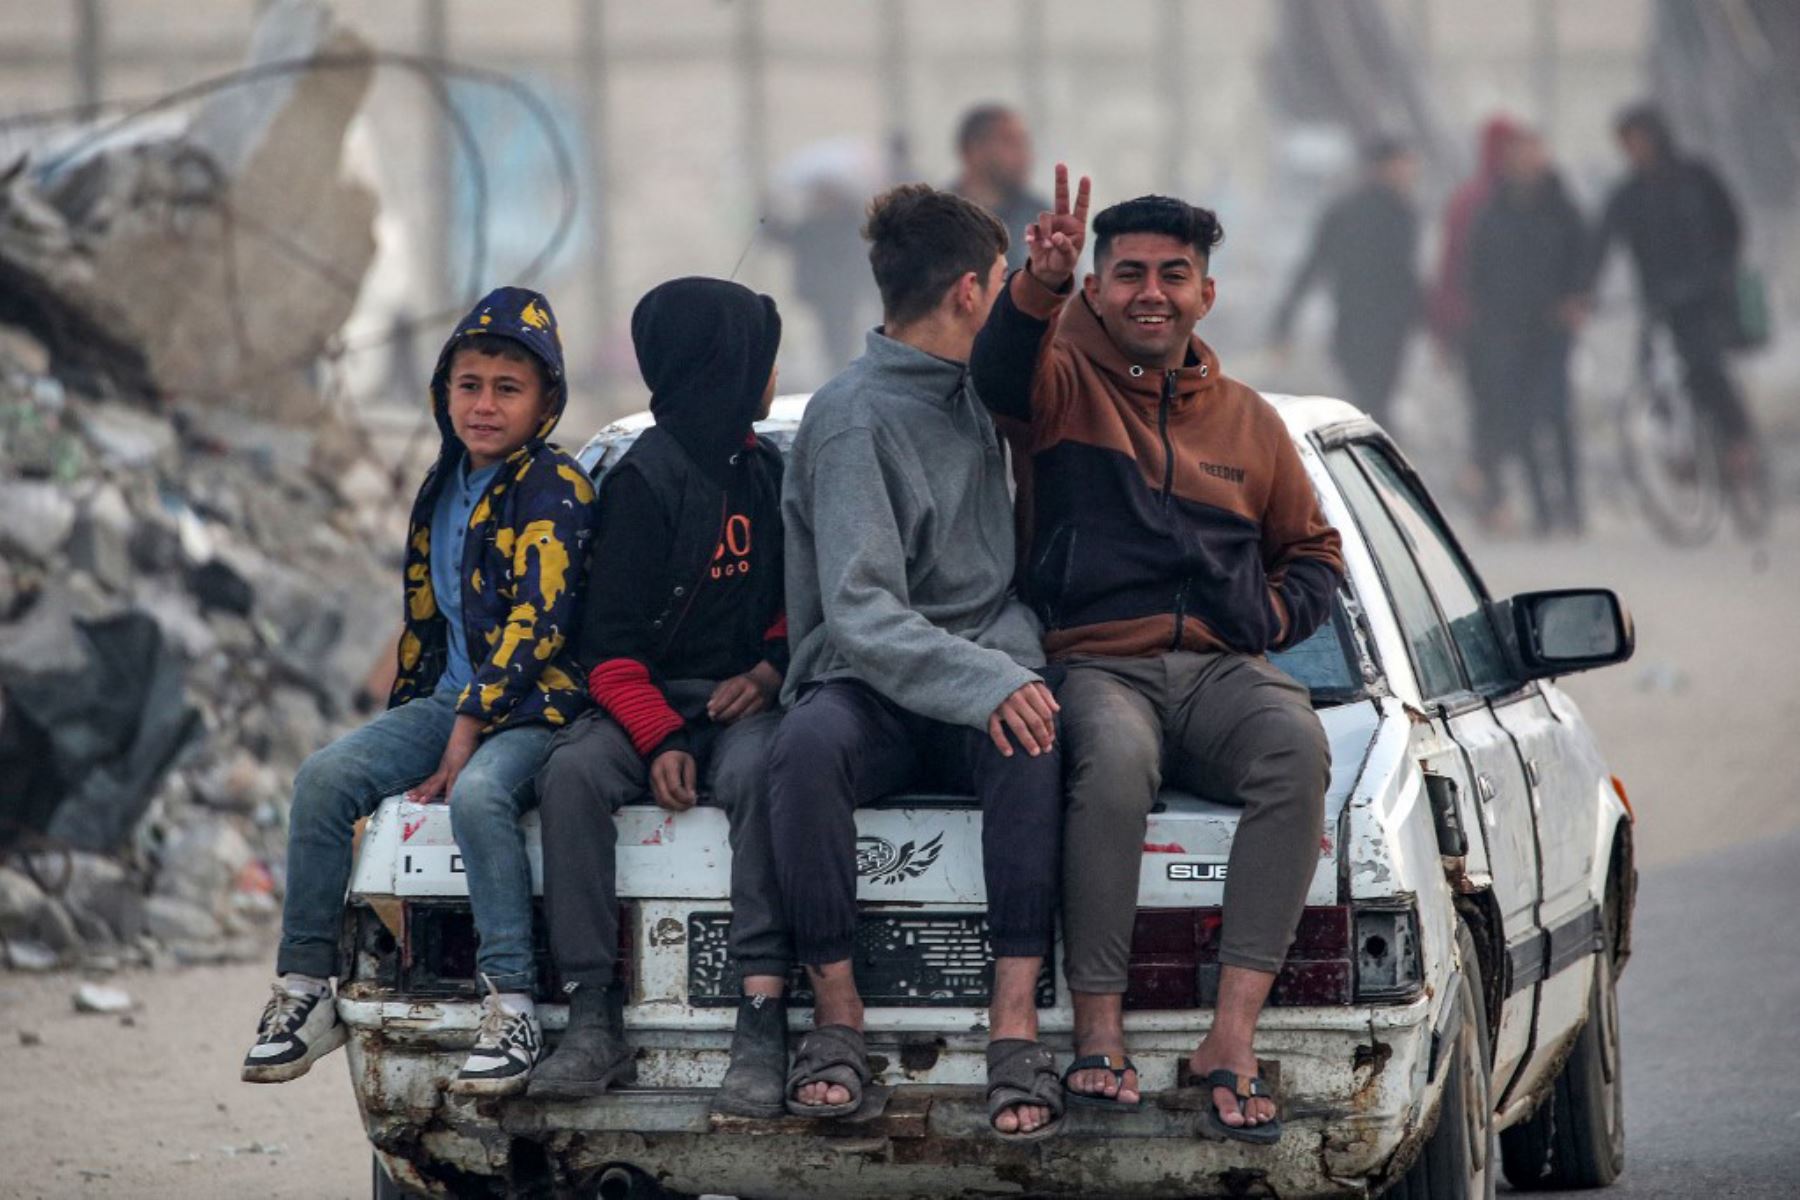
<point>1560,632</point>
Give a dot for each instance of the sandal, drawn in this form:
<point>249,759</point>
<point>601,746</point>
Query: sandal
<point>1243,1087</point>
<point>1118,1065</point>
<point>829,1054</point>
<point>1021,1071</point>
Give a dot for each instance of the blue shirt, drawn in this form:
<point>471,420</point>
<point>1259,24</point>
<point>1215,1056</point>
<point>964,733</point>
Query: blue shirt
<point>449,529</point>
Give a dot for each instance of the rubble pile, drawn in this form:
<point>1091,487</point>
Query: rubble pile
<point>198,553</point>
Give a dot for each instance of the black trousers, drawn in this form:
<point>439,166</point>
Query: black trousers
<point>591,772</point>
<point>1522,388</point>
<point>1702,331</point>
<point>844,745</point>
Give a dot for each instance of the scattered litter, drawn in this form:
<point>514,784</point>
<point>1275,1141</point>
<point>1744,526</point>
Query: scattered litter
<point>98,998</point>
<point>30,1037</point>
<point>1661,677</point>
<point>252,1149</point>
<point>30,956</point>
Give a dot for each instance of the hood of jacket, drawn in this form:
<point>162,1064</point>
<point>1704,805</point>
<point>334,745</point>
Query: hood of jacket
<point>518,315</point>
<point>705,348</point>
<point>1082,327</point>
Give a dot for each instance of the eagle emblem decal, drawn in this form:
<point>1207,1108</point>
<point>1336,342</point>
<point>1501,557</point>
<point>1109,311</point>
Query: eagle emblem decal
<point>880,861</point>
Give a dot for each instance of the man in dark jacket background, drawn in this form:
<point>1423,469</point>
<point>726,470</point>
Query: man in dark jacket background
<point>1683,231</point>
<point>1525,282</point>
<point>685,646</point>
<point>1364,249</point>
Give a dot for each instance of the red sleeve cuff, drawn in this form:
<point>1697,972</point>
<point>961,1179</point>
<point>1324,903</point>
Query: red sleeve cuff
<point>622,686</point>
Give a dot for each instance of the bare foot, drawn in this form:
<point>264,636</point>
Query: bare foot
<point>1100,1081</point>
<point>1100,1029</point>
<point>823,1093</point>
<point>835,1002</point>
<point>1022,1118</point>
<point>1240,1061</point>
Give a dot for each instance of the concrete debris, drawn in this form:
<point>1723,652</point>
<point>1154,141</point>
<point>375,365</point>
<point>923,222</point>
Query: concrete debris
<point>31,956</point>
<point>98,998</point>
<point>135,258</point>
<point>176,922</point>
<point>198,551</point>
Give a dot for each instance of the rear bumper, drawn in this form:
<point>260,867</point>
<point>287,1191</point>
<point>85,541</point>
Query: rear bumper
<point>1354,1086</point>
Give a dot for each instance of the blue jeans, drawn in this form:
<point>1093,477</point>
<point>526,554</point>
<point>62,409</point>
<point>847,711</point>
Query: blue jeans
<point>350,777</point>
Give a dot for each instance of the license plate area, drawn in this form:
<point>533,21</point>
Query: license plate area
<point>902,960</point>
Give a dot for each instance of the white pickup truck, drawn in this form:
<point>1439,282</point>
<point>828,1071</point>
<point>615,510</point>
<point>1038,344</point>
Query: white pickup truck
<point>1447,1009</point>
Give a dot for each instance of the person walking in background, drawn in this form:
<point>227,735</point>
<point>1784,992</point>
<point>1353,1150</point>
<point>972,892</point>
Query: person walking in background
<point>1525,284</point>
<point>1364,248</point>
<point>1447,309</point>
<point>829,255</point>
<point>995,149</point>
<point>1680,224</point>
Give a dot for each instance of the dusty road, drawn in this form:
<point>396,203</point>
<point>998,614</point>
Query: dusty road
<point>1702,726</point>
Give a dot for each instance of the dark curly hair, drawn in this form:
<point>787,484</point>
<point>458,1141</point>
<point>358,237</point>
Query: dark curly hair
<point>921,241</point>
<point>1198,227</point>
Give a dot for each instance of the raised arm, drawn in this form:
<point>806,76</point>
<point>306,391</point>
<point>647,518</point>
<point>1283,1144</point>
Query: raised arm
<point>1005,361</point>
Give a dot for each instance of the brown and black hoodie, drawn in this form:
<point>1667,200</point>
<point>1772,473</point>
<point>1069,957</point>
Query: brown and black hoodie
<point>1169,508</point>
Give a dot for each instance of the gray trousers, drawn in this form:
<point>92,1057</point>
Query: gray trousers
<point>1228,727</point>
<point>592,771</point>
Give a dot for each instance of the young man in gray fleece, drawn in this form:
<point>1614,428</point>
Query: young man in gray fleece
<point>913,663</point>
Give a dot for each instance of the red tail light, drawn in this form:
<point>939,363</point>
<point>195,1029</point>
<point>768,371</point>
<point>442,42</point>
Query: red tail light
<point>1175,959</point>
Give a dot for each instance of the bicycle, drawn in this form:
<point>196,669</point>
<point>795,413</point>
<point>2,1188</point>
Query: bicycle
<point>1674,459</point>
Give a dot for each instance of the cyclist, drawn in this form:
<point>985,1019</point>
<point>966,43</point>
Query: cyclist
<point>1684,233</point>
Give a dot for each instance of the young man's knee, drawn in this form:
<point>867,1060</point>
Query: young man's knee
<point>806,748</point>
<point>1117,774</point>
<point>482,797</point>
<point>574,776</point>
<point>326,783</point>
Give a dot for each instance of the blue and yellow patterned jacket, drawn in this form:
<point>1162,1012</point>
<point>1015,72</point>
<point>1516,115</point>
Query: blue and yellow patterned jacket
<point>524,558</point>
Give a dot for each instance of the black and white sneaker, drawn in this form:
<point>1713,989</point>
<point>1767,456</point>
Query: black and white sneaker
<point>507,1046</point>
<point>297,1029</point>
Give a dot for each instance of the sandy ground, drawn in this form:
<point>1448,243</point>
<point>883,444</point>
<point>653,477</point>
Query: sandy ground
<point>1700,726</point>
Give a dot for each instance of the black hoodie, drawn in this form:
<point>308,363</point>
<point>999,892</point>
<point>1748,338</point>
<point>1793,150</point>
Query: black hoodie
<point>686,567</point>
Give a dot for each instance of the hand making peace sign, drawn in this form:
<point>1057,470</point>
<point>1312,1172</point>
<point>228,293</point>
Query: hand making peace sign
<point>1055,239</point>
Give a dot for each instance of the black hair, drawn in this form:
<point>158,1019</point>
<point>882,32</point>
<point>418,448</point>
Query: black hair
<point>978,122</point>
<point>1647,119</point>
<point>921,241</point>
<point>1198,227</point>
<point>494,345</point>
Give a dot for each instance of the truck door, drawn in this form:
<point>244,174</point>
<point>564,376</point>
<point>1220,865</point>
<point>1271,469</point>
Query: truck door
<point>1461,670</point>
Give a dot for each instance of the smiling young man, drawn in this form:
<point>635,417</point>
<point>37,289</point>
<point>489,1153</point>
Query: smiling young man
<point>495,556</point>
<point>1175,540</point>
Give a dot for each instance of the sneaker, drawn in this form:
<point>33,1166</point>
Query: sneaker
<point>297,1030</point>
<point>507,1046</point>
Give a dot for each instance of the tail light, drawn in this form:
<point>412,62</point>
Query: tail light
<point>1339,955</point>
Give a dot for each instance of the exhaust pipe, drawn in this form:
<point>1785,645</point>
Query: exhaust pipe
<point>620,1183</point>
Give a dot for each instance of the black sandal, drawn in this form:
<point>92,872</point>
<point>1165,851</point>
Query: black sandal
<point>1243,1087</point>
<point>829,1054</point>
<point>1118,1065</point>
<point>1020,1071</point>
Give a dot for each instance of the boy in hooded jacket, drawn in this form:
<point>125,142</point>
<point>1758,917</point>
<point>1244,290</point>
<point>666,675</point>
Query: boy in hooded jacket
<point>495,554</point>
<point>685,644</point>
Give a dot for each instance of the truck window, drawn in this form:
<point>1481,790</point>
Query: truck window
<point>1433,655</point>
<point>1458,594</point>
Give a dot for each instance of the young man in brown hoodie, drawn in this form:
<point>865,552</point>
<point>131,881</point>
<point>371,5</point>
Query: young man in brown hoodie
<point>1175,540</point>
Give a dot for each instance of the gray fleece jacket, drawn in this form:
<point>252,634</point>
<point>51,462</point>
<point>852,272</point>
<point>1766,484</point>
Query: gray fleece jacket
<point>899,541</point>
